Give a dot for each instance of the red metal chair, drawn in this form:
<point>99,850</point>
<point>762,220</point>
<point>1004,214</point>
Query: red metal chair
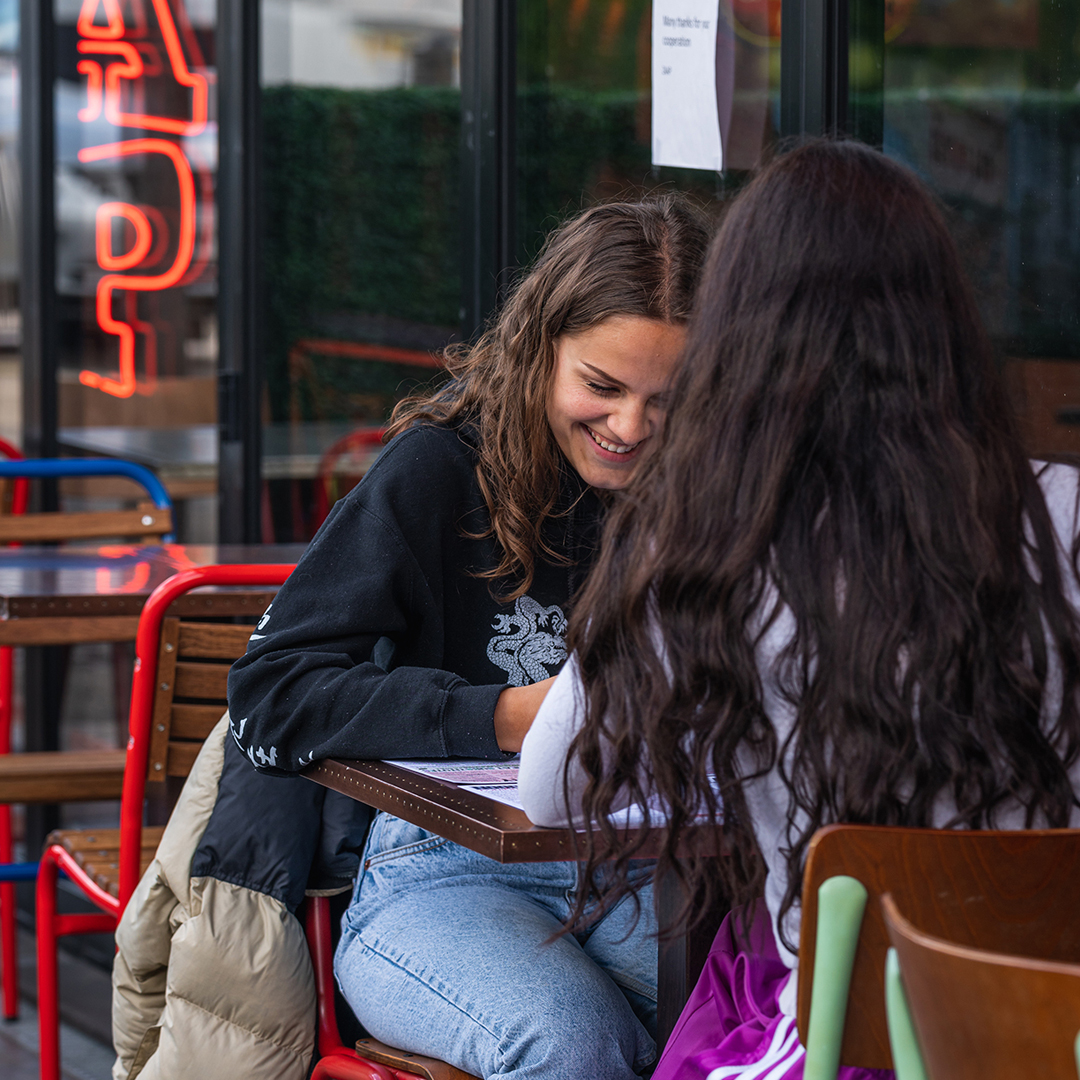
<point>361,446</point>
<point>9,871</point>
<point>50,924</point>
<point>340,1062</point>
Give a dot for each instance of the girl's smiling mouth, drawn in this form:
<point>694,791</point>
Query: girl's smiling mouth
<point>611,448</point>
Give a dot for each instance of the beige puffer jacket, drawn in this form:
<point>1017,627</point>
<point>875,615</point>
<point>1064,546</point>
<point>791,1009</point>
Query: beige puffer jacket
<point>192,996</point>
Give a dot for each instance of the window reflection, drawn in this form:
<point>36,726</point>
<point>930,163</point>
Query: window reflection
<point>980,98</point>
<point>584,106</point>
<point>136,261</point>
<point>361,143</point>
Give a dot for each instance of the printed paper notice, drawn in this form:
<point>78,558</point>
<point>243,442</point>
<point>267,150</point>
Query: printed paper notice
<point>685,117</point>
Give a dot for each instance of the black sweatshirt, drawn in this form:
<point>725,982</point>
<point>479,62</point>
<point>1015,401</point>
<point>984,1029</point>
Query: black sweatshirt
<point>382,643</point>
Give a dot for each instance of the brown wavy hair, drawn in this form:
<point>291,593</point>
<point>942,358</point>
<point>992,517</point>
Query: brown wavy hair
<point>839,447</point>
<point>622,258</point>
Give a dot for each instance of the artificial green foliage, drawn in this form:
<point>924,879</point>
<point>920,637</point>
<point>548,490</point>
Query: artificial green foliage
<point>570,143</point>
<point>577,147</point>
<point>362,192</point>
<point>361,214</point>
<point>594,46</point>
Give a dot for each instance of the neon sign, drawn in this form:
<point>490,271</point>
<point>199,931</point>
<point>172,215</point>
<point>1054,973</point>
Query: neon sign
<point>115,91</point>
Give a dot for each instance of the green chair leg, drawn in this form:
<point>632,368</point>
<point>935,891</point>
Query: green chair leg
<point>1076,1049</point>
<point>907,1058</point>
<point>841,903</point>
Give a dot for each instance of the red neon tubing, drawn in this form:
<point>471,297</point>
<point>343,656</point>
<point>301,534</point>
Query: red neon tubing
<point>124,387</point>
<point>115,21</point>
<point>103,222</point>
<point>103,40</point>
<point>143,685</point>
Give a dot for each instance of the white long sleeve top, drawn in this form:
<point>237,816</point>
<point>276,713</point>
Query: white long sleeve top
<point>543,755</point>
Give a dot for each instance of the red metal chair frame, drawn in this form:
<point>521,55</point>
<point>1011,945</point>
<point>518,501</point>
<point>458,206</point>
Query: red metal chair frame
<point>9,957</point>
<point>355,440</point>
<point>336,1061</point>
<point>50,924</point>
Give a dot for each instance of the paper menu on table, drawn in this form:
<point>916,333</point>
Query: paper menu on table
<point>465,772</point>
<point>498,780</point>
<point>504,793</point>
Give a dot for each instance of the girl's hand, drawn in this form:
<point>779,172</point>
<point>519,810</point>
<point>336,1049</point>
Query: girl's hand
<point>515,711</point>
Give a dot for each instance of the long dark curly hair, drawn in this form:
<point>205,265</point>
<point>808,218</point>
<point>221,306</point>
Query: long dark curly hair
<point>621,258</point>
<point>839,450</point>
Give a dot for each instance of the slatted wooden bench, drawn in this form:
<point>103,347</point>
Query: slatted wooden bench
<point>52,776</point>
<point>145,523</point>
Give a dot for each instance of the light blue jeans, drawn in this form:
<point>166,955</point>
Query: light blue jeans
<point>447,953</point>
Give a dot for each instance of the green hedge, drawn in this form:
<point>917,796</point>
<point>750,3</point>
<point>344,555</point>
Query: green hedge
<point>363,215</point>
<point>363,210</point>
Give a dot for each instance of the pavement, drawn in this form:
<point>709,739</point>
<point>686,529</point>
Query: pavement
<point>81,1057</point>
<point>85,997</point>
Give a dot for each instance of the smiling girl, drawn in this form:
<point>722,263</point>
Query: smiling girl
<point>427,619</point>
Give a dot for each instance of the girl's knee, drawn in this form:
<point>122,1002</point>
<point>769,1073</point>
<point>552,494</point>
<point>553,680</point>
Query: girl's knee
<point>571,1036</point>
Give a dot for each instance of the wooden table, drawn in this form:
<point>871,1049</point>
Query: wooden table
<point>505,834</point>
<point>67,595</point>
<point>61,596</point>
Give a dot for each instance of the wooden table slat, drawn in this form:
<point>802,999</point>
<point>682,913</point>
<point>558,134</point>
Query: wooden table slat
<point>61,776</point>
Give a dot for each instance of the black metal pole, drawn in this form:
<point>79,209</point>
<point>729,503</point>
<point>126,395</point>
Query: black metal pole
<point>488,205</point>
<point>813,67</point>
<point>866,102</point>
<point>239,203</point>
<point>44,667</point>
<point>37,287</point>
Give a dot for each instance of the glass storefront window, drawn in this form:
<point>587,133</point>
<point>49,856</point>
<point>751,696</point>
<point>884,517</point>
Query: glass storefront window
<point>136,261</point>
<point>584,106</point>
<point>361,112</point>
<point>980,98</point>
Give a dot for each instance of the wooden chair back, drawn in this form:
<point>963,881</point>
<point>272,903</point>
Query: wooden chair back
<point>145,523</point>
<point>982,1015</point>
<point>1014,891</point>
<point>192,687</point>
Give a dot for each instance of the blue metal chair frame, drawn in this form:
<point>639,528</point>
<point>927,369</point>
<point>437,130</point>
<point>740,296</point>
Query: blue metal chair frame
<point>56,468</point>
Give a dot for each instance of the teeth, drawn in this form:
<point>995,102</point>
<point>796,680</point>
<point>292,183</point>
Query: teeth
<point>611,449</point>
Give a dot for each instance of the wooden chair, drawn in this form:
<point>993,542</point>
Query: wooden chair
<point>151,520</point>
<point>177,696</point>
<point>976,888</point>
<point>982,1015</point>
<point>52,776</point>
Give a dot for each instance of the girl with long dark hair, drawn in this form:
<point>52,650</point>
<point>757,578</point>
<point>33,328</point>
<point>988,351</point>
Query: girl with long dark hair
<point>839,591</point>
<point>427,619</point>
